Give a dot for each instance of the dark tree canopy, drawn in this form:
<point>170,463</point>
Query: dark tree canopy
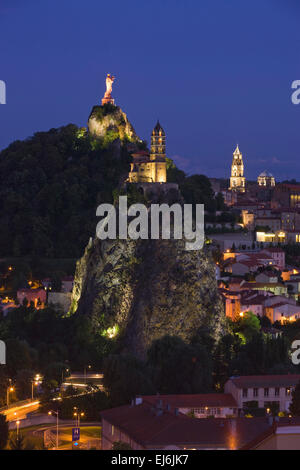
<point>3,432</point>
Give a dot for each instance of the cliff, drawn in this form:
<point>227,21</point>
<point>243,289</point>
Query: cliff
<point>139,291</point>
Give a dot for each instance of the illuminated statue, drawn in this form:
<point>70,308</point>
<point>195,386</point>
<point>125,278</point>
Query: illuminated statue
<point>109,81</point>
<point>107,95</point>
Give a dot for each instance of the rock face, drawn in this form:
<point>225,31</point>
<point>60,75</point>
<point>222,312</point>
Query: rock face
<point>110,120</point>
<point>142,290</point>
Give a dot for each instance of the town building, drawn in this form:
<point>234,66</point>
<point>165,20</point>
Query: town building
<point>283,434</point>
<point>265,390</point>
<point>217,405</point>
<point>37,296</point>
<point>286,195</point>
<point>277,255</point>
<point>147,427</point>
<point>266,276</point>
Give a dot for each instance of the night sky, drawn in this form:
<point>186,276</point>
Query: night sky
<point>215,72</point>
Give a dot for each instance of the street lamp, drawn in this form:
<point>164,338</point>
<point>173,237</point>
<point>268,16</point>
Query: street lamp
<point>62,374</point>
<point>55,413</point>
<point>8,390</point>
<point>35,382</point>
<point>86,367</point>
<point>18,424</point>
<point>77,415</point>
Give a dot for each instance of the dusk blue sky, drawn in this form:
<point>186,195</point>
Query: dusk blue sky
<point>215,72</point>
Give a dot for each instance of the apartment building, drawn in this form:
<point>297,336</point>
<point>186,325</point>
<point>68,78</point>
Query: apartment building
<point>266,390</point>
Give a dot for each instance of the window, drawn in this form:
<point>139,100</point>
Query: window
<point>255,392</point>
<point>266,392</point>
<point>277,392</point>
<point>287,391</point>
<point>245,392</point>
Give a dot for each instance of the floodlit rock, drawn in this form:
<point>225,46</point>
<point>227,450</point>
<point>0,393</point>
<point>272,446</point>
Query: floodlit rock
<point>142,290</point>
<point>109,122</point>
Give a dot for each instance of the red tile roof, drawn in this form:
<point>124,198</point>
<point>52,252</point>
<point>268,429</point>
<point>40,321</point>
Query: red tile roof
<point>249,381</point>
<point>274,250</point>
<point>194,400</point>
<point>145,427</point>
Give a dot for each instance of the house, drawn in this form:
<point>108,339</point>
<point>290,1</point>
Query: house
<point>286,273</point>
<point>282,312</point>
<point>275,287</point>
<point>240,268</point>
<point>275,299</point>
<point>273,222</point>
<point>266,390</point>
<point>253,302</point>
<point>145,426</point>
<point>37,296</point>
<point>293,286</point>
<point>218,405</point>
<point>266,276</point>
<point>232,303</point>
<point>277,255</point>
<point>283,434</point>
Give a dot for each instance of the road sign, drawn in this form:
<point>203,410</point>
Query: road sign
<point>75,434</point>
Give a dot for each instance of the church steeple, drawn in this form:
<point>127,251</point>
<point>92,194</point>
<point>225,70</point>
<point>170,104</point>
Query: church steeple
<point>237,179</point>
<point>158,143</point>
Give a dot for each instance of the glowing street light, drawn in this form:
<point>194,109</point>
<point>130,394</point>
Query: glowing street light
<point>35,382</point>
<point>9,389</point>
<point>86,367</point>
<point>77,415</point>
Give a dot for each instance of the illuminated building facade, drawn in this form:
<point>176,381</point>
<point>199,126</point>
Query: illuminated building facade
<point>151,168</point>
<point>237,179</point>
<point>266,179</point>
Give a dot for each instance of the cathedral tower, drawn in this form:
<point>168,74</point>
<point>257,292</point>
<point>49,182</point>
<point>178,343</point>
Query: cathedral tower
<point>158,143</point>
<point>237,179</point>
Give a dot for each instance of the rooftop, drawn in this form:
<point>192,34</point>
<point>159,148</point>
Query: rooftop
<point>153,430</point>
<point>193,400</point>
<point>249,381</point>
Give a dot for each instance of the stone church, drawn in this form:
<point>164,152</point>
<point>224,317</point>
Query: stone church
<point>150,168</point>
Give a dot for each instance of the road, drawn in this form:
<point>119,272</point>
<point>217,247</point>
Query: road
<point>20,412</point>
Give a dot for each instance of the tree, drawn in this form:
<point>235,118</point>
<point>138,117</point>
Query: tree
<point>120,445</point>
<point>3,432</point>
<point>249,325</point>
<point>125,376</point>
<point>178,367</point>
<point>295,404</point>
